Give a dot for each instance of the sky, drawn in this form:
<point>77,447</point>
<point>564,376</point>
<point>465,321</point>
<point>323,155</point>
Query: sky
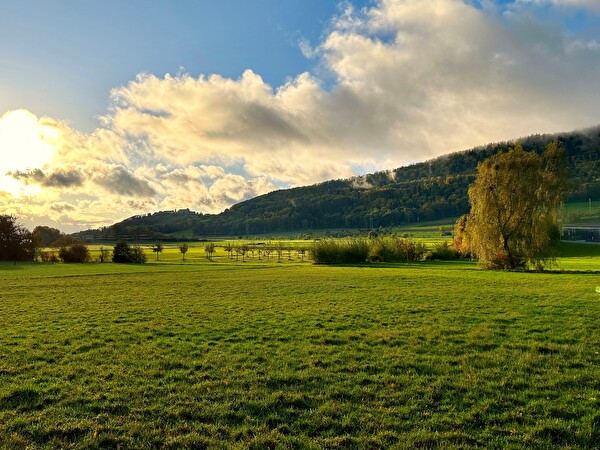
<point>110,109</point>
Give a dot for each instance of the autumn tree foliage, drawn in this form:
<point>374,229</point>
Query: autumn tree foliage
<point>514,202</point>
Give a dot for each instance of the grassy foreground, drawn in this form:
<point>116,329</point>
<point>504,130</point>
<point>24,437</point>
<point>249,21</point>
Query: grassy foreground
<point>297,356</point>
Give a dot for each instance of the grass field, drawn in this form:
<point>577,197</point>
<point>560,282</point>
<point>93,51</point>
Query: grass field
<point>291,355</point>
<point>581,212</point>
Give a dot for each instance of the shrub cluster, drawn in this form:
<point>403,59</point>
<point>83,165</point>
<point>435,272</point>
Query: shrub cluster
<point>386,249</point>
<point>396,250</point>
<point>75,253</point>
<point>125,253</point>
<point>443,251</point>
<point>46,256</point>
<point>340,251</point>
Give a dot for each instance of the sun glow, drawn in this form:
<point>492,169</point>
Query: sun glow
<point>26,142</point>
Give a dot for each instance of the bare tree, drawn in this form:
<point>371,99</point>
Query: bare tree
<point>302,253</point>
<point>104,255</point>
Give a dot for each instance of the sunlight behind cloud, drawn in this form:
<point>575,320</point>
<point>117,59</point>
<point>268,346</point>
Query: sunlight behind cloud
<point>25,143</point>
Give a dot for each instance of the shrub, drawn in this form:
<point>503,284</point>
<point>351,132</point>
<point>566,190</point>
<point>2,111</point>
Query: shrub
<point>384,250</point>
<point>443,251</point>
<point>410,251</point>
<point>137,254</point>
<point>49,257</point>
<point>340,251</point>
<point>396,250</point>
<point>125,253</point>
<point>76,253</point>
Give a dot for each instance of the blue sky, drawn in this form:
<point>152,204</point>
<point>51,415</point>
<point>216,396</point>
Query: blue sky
<point>114,108</point>
<point>62,58</point>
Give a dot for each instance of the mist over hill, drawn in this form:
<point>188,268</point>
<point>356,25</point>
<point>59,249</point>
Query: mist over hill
<point>429,190</point>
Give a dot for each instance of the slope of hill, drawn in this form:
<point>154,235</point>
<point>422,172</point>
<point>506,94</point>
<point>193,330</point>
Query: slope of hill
<point>425,191</point>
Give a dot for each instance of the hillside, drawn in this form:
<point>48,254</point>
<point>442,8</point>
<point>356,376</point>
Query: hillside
<point>420,192</point>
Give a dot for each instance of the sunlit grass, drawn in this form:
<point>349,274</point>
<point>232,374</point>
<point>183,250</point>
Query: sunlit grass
<point>291,355</point>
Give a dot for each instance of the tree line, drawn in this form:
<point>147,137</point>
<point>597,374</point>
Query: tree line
<point>420,192</point>
<point>512,223</point>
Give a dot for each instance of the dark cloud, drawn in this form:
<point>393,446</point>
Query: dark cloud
<point>62,207</point>
<point>58,178</point>
<point>120,181</point>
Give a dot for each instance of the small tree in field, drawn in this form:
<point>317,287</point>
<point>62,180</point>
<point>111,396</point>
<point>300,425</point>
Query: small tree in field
<point>228,248</point>
<point>104,255</point>
<point>183,249</point>
<point>210,250</point>
<point>514,207</point>
<point>302,253</point>
<point>157,248</point>
<point>243,250</point>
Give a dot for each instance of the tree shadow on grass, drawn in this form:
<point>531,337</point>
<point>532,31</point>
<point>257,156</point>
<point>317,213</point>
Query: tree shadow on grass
<point>21,399</point>
<point>451,265</point>
<point>9,265</point>
<point>578,249</point>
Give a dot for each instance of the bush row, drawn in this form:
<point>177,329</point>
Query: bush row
<point>353,251</point>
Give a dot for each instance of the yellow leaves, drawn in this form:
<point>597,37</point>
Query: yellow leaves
<point>513,200</point>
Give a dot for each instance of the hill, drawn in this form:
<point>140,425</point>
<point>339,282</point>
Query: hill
<point>425,191</point>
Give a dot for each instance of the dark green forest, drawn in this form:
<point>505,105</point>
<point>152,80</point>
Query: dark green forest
<point>426,191</point>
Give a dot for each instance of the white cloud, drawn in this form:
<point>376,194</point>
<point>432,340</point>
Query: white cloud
<point>409,80</point>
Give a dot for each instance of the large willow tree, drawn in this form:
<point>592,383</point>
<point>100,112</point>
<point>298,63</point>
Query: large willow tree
<point>514,204</point>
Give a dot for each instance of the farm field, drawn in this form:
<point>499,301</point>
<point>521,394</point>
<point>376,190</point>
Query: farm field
<point>258,354</point>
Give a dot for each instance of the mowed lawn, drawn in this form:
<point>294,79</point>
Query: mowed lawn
<point>292,355</point>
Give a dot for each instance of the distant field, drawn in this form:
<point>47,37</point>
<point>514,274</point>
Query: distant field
<point>572,256</point>
<point>581,212</point>
<point>291,355</point>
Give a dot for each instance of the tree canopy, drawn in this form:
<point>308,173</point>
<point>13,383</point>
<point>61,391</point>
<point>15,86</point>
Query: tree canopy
<point>44,235</point>
<point>125,253</point>
<point>16,242</point>
<point>514,202</point>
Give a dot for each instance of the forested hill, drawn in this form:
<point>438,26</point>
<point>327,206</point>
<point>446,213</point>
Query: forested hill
<point>425,191</point>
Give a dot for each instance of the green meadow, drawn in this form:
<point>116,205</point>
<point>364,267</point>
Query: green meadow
<point>261,354</point>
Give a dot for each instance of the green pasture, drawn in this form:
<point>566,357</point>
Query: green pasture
<point>261,354</point>
<point>581,212</point>
<point>572,256</point>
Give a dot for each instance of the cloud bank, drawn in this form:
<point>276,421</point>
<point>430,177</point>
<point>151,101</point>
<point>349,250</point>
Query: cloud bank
<point>400,82</point>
